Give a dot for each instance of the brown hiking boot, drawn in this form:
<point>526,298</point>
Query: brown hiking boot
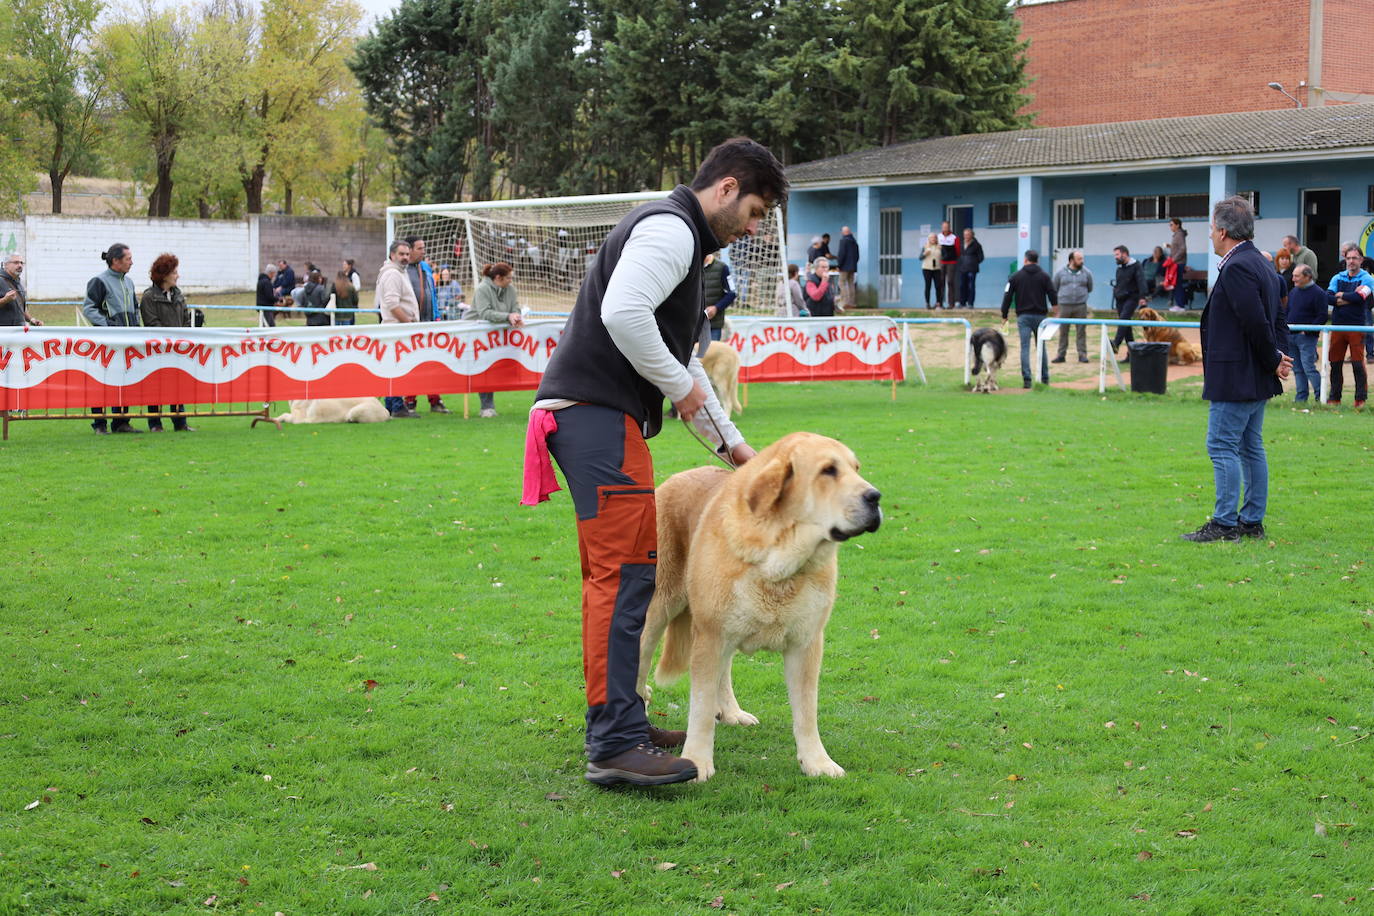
<point>666,739</point>
<point>641,765</point>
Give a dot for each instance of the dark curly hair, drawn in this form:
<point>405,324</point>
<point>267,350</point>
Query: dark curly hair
<point>162,268</point>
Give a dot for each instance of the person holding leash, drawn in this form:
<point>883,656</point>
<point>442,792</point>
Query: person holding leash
<point>627,345</point>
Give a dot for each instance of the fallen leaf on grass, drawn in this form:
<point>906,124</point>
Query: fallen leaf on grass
<point>433,897</point>
<point>210,901</point>
<point>147,820</point>
<point>665,866</point>
<point>176,883</point>
<point>366,866</point>
<point>1140,896</point>
<point>1187,834</point>
<point>554,796</point>
<point>370,684</point>
<point>717,904</point>
<point>1320,829</point>
<point>1015,778</point>
<point>784,885</point>
<point>1207,807</point>
<point>1144,855</point>
<point>33,804</point>
<point>617,874</point>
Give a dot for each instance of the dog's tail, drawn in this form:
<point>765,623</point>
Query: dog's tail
<point>677,650</point>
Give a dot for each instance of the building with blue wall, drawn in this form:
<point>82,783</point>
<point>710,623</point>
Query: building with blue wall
<point>1310,172</point>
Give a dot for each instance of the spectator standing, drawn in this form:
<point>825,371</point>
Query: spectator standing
<point>1306,305</point>
<point>848,266</point>
<point>717,291</point>
<point>1301,254</point>
<point>1283,265</point>
<point>421,277</point>
<point>351,273</point>
<point>495,302</point>
<point>448,296</point>
<point>345,298</point>
<point>111,302</point>
<point>820,248</point>
<point>627,345</point>
<point>1365,264</point>
<point>267,295</point>
<point>315,296</point>
<point>1032,291</point>
<point>791,302</point>
<point>949,263</point>
<point>970,257</point>
<point>1244,363</point>
<point>1128,292</point>
<point>820,290</point>
<point>164,306</point>
<point>1072,284</point>
<point>285,284</point>
<point>1178,253</point>
<point>930,270</point>
<point>396,300</point>
<point>14,299</point>
<point>1349,294</point>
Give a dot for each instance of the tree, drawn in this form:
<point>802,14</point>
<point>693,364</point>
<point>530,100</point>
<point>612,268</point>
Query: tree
<point>152,64</point>
<point>56,80</point>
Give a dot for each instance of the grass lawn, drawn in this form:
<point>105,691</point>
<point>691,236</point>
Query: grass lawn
<point>337,670</point>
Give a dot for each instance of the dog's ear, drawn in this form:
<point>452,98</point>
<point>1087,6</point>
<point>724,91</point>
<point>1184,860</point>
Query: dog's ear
<point>769,485</point>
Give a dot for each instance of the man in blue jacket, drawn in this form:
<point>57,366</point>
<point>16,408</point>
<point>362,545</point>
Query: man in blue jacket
<point>1244,362</point>
<point>848,267</point>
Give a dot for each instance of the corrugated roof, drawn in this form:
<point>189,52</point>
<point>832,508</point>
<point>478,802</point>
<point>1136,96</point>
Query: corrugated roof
<point>1286,130</point>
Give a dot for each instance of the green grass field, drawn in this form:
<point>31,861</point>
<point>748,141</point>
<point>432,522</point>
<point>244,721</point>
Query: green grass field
<point>337,670</point>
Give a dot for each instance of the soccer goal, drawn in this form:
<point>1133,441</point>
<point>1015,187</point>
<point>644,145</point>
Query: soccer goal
<point>551,242</point>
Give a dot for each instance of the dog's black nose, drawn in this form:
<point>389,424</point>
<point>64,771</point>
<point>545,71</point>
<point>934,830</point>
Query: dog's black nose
<point>872,497</point>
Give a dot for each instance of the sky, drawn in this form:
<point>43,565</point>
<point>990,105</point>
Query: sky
<point>375,9</point>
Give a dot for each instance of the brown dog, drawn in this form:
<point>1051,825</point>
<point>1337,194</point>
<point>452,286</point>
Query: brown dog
<point>1181,352</point>
<point>747,561</point>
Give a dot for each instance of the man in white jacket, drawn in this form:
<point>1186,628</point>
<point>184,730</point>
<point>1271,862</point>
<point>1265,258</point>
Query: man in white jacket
<point>396,299</point>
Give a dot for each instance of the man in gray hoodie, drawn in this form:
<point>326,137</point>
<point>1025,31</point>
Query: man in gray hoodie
<point>1073,283</point>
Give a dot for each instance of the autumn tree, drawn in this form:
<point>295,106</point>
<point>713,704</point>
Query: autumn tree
<point>55,79</point>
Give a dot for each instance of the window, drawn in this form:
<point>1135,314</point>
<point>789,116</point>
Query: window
<point>1180,206</point>
<point>1370,205</point>
<point>1004,213</point>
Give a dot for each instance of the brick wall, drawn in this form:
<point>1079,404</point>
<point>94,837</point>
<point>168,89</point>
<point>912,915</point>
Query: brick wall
<point>324,240</point>
<point>1345,49</point>
<point>1095,61</point>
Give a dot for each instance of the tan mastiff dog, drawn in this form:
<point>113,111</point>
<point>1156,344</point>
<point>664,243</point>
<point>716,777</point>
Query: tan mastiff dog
<point>747,561</point>
<point>336,410</point>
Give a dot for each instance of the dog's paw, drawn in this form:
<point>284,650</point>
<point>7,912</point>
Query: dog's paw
<point>705,769</point>
<point>737,716</point>
<point>822,766</point>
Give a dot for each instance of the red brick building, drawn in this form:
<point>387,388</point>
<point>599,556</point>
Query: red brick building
<point>1101,61</point>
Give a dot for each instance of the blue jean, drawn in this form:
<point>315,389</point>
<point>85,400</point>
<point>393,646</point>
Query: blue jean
<point>1182,289</point>
<point>395,405</point>
<point>1235,443</point>
<point>968,282</point>
<point>1305,372</point>
<point>1026,326</point>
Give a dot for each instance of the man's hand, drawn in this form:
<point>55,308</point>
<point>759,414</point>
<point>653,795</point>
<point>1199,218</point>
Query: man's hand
<point>1144,302</point>
<point>692,402</point>
<point>9,297</point>
<point>35,322</point>
<point>710,311</point>
<point>1285,366</point>
<point>742,453</point>
<point>516,319</point>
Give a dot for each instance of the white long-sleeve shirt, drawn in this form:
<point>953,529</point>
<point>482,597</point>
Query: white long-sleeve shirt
<point>655,260</point>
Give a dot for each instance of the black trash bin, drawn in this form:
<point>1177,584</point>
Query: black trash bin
<point>1149,366</point>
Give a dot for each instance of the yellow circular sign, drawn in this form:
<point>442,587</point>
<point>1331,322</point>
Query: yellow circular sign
<point>1365,240</point>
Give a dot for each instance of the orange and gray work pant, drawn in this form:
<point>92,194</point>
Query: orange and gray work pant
<point>610,475</point>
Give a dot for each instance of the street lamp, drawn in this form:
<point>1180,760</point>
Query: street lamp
<point>1279,88</point>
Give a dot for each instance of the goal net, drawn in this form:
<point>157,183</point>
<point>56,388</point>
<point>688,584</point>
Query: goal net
<point>551,242</point>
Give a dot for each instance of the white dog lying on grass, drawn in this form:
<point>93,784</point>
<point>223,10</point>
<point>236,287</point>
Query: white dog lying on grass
<point>336,410</point>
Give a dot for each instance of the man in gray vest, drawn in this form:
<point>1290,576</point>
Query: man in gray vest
<point>627,345</point>
<point>14,300</point>
<point>112,303</point>
<point>1073,283</point>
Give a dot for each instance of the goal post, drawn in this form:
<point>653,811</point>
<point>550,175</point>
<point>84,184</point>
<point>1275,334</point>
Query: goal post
<point>552,242</point>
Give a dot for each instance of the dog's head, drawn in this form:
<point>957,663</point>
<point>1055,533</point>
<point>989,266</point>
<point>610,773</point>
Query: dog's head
<point>807,479</point>
<point>1145,313</point>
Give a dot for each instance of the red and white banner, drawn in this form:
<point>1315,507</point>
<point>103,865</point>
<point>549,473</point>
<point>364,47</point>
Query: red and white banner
<point>801,349</point>
<point>46,367</point>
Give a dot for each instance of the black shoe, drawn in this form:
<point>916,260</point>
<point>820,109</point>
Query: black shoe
<point>1025,383</point>
<point>641,765</point>
<point>1082,359</point>
<point>1057,359</point>
<point>1213,532</point>
<point>405,413</point>
<point>154,429</point>
<point>100,430</point>
<point>183,428</point>
<point>1251,529</point>
<point>666,738</point>
<point>439,408</point>
<point>124,428</point>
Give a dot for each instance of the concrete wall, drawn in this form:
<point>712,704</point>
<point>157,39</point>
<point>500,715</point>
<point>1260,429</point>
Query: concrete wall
<point>62,253</point>
<point>325,241</point>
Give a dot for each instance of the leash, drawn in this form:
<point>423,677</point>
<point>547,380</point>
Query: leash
<point>723,457</point>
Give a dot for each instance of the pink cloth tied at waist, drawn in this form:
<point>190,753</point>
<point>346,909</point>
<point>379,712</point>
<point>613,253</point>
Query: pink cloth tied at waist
<point>539,478</point>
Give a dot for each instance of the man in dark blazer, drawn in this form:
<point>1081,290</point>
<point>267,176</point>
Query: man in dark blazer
<point>1244,362</point>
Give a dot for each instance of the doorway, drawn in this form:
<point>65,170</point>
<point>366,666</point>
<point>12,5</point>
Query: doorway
<point>1321,222</point>
<point>960,217</point>
<point>1067,231</point>
<point>890,255</point>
